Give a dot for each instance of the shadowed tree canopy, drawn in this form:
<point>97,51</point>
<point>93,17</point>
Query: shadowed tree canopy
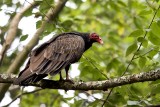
<point>126,63</point>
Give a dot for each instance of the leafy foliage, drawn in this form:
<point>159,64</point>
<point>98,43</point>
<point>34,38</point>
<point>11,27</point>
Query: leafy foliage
<point>124,27</point>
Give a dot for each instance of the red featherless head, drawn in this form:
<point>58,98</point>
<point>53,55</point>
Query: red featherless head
<point>95,38</point>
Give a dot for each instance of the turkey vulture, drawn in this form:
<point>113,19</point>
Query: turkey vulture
<point>56,54</point>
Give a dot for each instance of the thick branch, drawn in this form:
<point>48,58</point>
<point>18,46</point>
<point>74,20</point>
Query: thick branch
<point>51,15</point>
<point>92,85</point>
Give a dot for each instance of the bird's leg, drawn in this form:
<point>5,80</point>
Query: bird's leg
<point>67,76</point>
<point>67,69</point>
<point>61,78</point>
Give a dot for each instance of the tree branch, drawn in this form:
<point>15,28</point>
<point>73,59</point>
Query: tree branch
<point>20,95</point>
<point>12,31</point>
<point>92,85</point>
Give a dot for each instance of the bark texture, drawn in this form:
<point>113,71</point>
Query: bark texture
<point>152,75</point>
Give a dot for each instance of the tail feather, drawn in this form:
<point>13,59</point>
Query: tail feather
<point>26,77</point>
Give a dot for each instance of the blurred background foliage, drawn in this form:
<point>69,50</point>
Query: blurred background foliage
<point>122,24</point>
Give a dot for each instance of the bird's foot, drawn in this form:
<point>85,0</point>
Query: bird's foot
<point>66,80</point>
<point>70,81</point>
<point>61,79</point>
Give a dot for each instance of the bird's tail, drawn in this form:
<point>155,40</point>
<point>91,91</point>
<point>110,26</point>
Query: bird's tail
<point>26,76</point>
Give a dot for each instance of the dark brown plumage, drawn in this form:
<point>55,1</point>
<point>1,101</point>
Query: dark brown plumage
<point>56,54</point>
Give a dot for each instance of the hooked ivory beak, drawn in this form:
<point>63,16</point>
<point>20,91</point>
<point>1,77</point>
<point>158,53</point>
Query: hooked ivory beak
<point>101,42</point>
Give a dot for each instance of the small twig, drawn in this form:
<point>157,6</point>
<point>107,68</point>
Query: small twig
<point>95,67</point>
<point>144,54</point>
<point>107,97</point>
<point>151,4</point>
<point>18,96</point>
<point>24,3</point>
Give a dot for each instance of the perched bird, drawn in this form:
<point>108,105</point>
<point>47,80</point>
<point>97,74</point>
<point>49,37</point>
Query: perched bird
<point>56,54</point>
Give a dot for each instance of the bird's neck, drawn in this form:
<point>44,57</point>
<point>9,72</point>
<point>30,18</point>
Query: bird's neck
<point>88,42</point>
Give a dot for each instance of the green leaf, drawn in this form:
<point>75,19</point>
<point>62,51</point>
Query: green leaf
<point>93,104</point>
<point>136,33</point>
<point>131,49</point>
<point>155,29</point>
<point>158,23</point>
<point>122,3</point>
<point>67,24</point>
<point>138,22</point>
<point>28,12</point>
<point>143,41</point>
<point>154,39</point>
<point>43,7</point>
<point>153,53</point>
<point>140,39</point>
<point>155,89</point>
<point>142,61</point>
<point>114,64</point>
<point>145,12</point>
<point>24,37</point>
<point>38,24</point>
<point>87,72</point>
<point>156,48</point>
<point>109,66</point>
<point>155,82</point>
